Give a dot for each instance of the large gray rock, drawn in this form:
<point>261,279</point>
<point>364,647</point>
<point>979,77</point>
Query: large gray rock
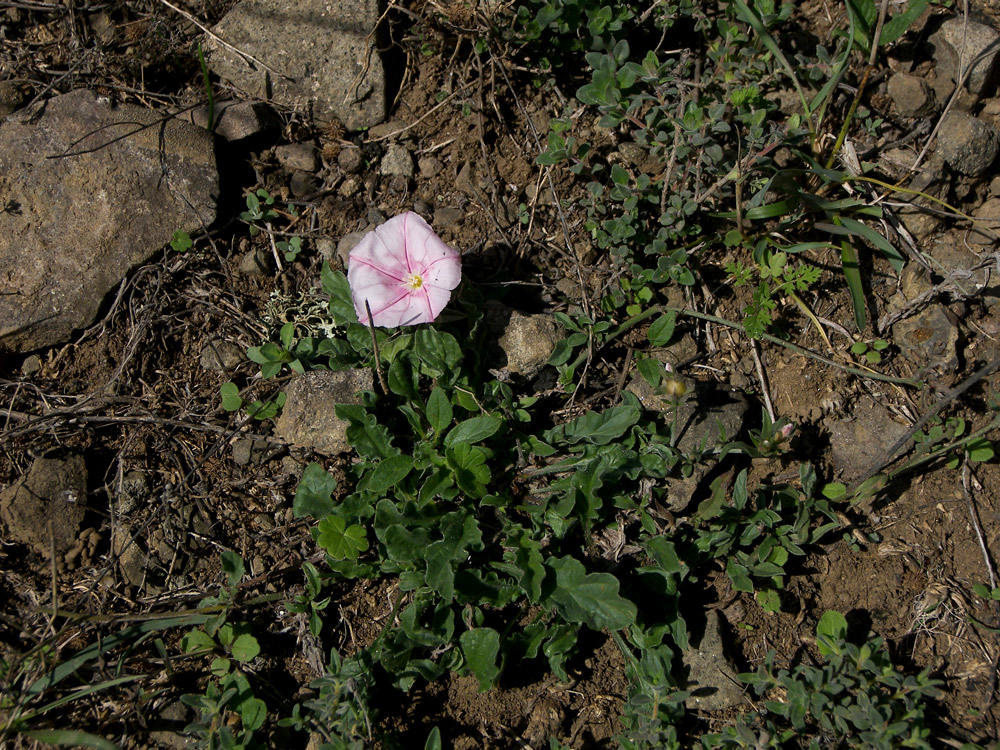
<point>969,145</point>
<point>976,44</point>
<point>45,508</point>
<point>91,191</point>
<point>712,678</point>
<point>319,52</point>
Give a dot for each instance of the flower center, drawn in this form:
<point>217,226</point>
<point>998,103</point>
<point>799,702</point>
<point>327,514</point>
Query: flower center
<point>413,280</point>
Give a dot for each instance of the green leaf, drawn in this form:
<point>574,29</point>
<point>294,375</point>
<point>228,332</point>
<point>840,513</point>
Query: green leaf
<point>651,371</point>
<point>590,598</point>
<point>979,449</point>
<point>365,434</point>
<point>253,712</point>
<point>852,274</point>
<point>341,305</point>
<point>231,400</point>
<point>245,648</point>
<point>526,555</point>
<point>468,464</point>
<point>480,647</point>
<point>439,411</point>
<point>598,428</point>
<point>662,329</point>
<point>232,566</point>
<point>769,600</point>
<point>433,740</point>
<point>472,430</point>
<point>197,640</point>
<point>181,241</point>
<point>834,490</point>
<point>389,472</point>
<point>313,495</point>
<point>340,541</point>
<point>831,628</point>
<point>739,575</point>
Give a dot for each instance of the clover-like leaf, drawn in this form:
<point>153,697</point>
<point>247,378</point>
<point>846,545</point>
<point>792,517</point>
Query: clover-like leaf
<point>341,542</point>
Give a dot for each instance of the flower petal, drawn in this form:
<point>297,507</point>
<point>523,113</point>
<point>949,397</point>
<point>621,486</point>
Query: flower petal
<point>380,266</point>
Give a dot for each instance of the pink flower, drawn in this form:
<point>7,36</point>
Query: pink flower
<point>403,271</point>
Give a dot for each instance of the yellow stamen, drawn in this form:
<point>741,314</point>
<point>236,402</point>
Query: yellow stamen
<point>414,281</point>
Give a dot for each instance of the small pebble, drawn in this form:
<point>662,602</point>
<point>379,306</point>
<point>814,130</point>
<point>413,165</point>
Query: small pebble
<point>349,159</point>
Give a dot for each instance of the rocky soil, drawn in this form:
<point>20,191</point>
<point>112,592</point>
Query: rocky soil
<point>122,477</point>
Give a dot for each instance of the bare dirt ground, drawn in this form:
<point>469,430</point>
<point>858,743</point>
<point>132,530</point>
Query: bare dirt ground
<point>131,397</point>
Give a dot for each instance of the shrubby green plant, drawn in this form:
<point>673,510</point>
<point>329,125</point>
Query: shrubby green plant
<point>228,691</point>
<point>856,697</point>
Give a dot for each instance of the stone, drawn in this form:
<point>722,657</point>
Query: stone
<point>397,160</point>
<point>298,156</point>
<point>429,166</point>
<point>309,419</point>
<point>347,243</point>
<point>712,679</point>
<point>31,365</point>
<point>912,95</point>
<point>236,121</point>
<point>869,432</point>
<point>967,144</point>
<point>45,508</point>
<point>221,355</point>
<point>987,231</point>
<point>101,189</point>
<point>929,339</point>
<point>303,185</point>
<point>957,39</point>
<point>448,216</point>
<point>257,262</point>
<point>708,416</point>
<point>350,160</point>
<point>319,53</point>
<point>526,341</point>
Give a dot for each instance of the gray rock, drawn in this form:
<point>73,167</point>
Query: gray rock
<point>707,414</point>
<point>133,492</point>
<point>712,678</point>
<point>527,341</point>
<point>988,215</point>
<point>448,216</point>
<point>123,180</point>
<point>31,365</point>
<point>347,243</point>
<point>969,145</point>
<point>304,184</point>
<point>869,432</point>
<point>397,161</point>
<point>298,156</point>
<point>221,355</point>
<point>257,262</point>
<point>912,95</point>
<point>385,130</point>
<point>929,339</point>
<point>319,51</point>
<point>235,120</point>
<point>429,166</point>
<point>956,40</point>
<point>326,248</point>
<point>308,419</point>
<point>350,160</point>
<point>45,508</point>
